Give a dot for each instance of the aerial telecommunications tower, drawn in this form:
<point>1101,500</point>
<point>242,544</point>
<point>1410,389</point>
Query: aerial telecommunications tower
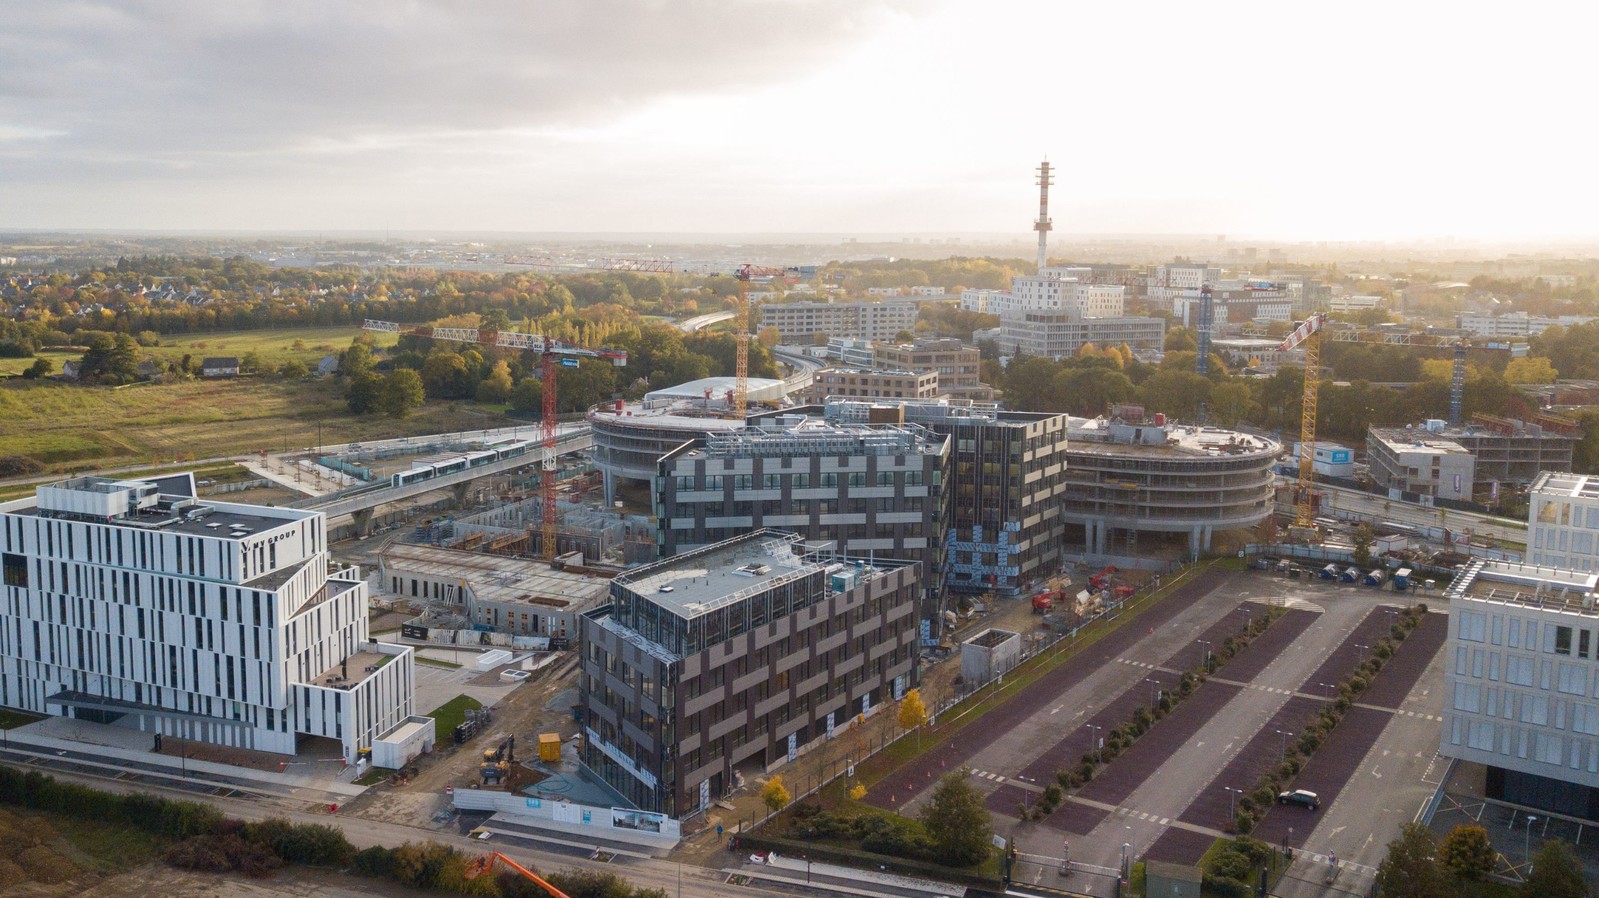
<point>1043,224</point>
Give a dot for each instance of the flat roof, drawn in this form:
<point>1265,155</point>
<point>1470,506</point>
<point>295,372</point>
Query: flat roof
<point>1573,486</point>
<point>759,388</point>
<point>1527,585</point>
<point>359,666</point>
<point>699,582</point>
<point>1092,436</point>
<point>499,578</point>
<point>1417,440</point>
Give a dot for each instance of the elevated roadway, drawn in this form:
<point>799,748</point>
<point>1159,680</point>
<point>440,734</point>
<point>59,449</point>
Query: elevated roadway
<point>358,503</point>
<point>690,325</point>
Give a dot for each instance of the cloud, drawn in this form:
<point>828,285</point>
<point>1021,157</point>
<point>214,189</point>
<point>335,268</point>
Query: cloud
<point>147,89</point>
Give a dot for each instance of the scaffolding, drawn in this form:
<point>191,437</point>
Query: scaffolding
<point>815,438</point>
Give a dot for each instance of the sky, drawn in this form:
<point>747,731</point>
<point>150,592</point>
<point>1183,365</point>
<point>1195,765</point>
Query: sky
<point>1396,120</point>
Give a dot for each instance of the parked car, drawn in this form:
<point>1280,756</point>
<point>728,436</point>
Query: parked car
<point>1301,797</point>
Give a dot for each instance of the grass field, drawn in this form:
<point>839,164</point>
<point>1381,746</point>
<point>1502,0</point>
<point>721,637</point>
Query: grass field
<point>275,347</point>
<point>76,427</point>
<point>448,716</point>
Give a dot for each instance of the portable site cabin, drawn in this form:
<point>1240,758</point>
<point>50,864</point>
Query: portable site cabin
<point>1350,574</point>
<point>1402,578</point>
<point>1375,578</point>
<point>1330,572</point>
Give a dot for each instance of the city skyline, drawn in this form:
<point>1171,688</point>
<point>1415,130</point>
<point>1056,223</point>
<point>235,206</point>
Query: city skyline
<point>792,116</point>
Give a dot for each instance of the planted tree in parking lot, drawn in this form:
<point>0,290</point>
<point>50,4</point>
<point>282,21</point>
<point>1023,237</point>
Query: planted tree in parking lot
<point>912,713</point>
<point>1467,852</point>
<point>957,821</point>
<point>1411,869</point>
<point>1555,873</point>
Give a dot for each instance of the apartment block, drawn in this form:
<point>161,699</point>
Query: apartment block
<point>870,382</point>
<point>1060,334</point>
<point>959,366</point>
<point>1563,522</point>
<point>134,602</point>
<point>873,490</point>
<point>729,659</point>
<point>802,322</point>
<point>1417,461</point>
<point>1521,684</point>
<point>1007,485</point>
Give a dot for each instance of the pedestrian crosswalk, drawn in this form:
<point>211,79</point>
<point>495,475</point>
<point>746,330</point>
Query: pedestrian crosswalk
<point>1143,815</point>
<point>992,777</point>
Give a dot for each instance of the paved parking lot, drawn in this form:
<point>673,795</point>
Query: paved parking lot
<point>1167,797</point>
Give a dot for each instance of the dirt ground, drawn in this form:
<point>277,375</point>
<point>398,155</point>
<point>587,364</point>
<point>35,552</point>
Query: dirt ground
<point>159,879</point>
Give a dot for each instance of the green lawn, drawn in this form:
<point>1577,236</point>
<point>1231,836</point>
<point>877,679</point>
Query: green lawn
<point>10,720</point>
<point>448,716</point>
<point>275,347</point>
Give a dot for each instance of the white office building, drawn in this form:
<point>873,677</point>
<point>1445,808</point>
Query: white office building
<point>133,602</point>
<point>1563,522</point>
<point>1521,684</point>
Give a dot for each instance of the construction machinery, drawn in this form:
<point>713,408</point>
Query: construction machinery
<point>553,354</point>
<point>485,864</point>
<point>1309,334</point>
<point>1101,580</point>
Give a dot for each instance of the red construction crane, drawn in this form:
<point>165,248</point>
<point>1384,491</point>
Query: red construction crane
<point>553,353</point>
<point>486,863</point>
<point>745,274</point>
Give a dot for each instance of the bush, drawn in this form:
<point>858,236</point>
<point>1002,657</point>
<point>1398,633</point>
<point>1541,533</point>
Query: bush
<point>376,862</point>
<point>222,854</point>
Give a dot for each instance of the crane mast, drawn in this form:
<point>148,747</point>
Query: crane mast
<point>553,354</point>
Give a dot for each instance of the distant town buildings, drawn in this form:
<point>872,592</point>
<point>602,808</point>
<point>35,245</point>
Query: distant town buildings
<point>803,322</point>
<point>871,382</point>
<point>1515,324</point>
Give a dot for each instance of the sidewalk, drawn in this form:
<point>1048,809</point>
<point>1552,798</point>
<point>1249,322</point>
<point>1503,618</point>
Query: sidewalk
<point>830,875</point>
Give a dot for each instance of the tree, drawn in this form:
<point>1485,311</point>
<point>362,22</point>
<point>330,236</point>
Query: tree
<point>357,360</point>
<point>1555,873</point>
<point>857,792</point>
<point>912,712</point>
<point>446,375</point>
<point>769,336</point>
<point>528,397</point>
<point>251,362</point>
<point>497,386</point>
<point>293,369</point>
<point>1530,370</point>
<point>775,795</point>
<point>1467,853</point>
<point>1411,868</point>
<point>957,821</point>
<point>40,368</point>
<point>111,359</point>
<point>1230,403</point>
<point>1362,538</point>
<point>401,393</point>
<point>361,396</point>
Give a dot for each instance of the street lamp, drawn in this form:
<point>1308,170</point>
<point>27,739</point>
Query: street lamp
<point>1526,841</point>
<point>1285,734</point>
<point>1329,688</point>
<point>1364,648</point>
<point>1095,744</point>
<point>1232,801</point>
<point>1154,693</point>
<point>1205,662</point>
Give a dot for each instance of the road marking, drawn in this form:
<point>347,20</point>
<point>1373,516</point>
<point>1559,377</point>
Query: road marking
<point>1375,773</point>
<point>1165,821</point>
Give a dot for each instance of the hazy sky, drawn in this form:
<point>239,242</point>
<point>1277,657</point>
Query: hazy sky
<point>1384,120</point>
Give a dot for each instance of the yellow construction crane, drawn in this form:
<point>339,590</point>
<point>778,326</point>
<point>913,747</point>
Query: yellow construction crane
<point>1309,334</point>
<point>745,274</point>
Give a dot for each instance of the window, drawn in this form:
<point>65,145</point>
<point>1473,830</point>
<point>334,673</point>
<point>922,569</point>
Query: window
<point>15,568</point>
<point>1473,626</point>
<point>1468,697</point>
<point>1574,679</point>
<point>1562,641</point>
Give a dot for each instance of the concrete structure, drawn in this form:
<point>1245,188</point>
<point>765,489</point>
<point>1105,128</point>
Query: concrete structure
<point>1007,480</point>
<point>1064,289</point>
<point>869,489</point>
<point>1240,352</point>
<point>1515,324</point>
<point>1563,522</point>
<point>1127,476</point>
<point>1346,303</point>
<point>1236,302</point>
<point>400,746</point>
<point>735,657</point>
<point>1167,282</point>
<point>1416,461</point>
<point>522,596</point>
<point>852,352</point>
<point>132,601</point>
<point>959,366</point>
<point>989,654</point>
<point>989,302</point>
<point>1060,334</point>
<point>871,382</point>
<point>1521,684</point>
<point>800,322</point>
<point>1503,450</point>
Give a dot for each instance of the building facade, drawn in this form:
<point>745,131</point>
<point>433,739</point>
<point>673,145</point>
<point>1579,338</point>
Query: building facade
<point>204,620</point>
<point>1563,522</point>
<point>1006,484</point>
<point>1417,461</point>
<point>801,322</point>
<point>959,366</point>
<point>1521,684</point>
<point>871,382</point>
<point>1060,334</point>
<point>735,657</point>
<point>870,489</point>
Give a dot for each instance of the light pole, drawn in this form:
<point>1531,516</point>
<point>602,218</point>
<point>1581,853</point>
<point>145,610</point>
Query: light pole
<point>1154,693</point>
<point>1526,842</point>
<point>1232,801</point>
<point>1095,744</point>
<point>1205,661</point>
<point>1329,688</point>
<point>1364,648</point>
<point>1285,734</point>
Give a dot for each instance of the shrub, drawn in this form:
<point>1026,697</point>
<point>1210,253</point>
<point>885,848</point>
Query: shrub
<point>377,862</point>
